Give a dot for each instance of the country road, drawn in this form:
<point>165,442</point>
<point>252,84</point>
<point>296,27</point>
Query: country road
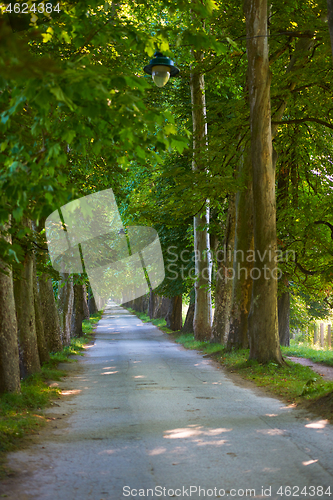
<point>144,418</point>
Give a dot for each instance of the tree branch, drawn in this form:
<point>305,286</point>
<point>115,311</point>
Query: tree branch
<point>327,224</point>
<point>303,120</point>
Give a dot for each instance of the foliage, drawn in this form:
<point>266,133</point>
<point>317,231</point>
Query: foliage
<point>305,308</point>
<point>57,118</point>
<point>78,115</point>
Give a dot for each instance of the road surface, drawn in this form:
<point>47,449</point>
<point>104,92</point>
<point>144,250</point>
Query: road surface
<point>142,417</point>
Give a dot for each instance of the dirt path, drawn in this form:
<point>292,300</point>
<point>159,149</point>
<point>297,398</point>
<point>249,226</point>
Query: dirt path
<point>325,371</point>
<point>144,418</point>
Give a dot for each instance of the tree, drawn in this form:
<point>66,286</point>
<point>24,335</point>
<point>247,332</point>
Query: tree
<point>224,279</point>
<point>242,265</point>
<point>174,315</point>
<point>25,313</point>
<point>43,353</point>
<point>202,321</point>
<point>9,355</point>
<point>78,311</point>
<point>65,302</point>
<point>263,320</point>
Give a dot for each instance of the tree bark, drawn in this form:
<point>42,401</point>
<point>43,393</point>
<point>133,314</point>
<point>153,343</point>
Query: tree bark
<point>173,318</point>
<point>47,301</point>
<point>43,353</point>
<point>25,315</point>
<point>91,302</point>
<point>49,314</point>
<point>242,282</point>
<point>9,354</point>
<point>140,304</point>
<point>203,304</point>
<point>224,279</point>
<point>85,303</point>
<point>78,312</point>
<point>65,304</point>
<point>151,304</point>
<point>263,321</point>
<point>283,317</point>
<point>188,325</point>
<point>161,307</point>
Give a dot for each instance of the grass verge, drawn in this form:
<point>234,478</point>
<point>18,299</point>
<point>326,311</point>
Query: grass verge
<point>293,382</point>
<point>22,414</point>
<point>315,353</point>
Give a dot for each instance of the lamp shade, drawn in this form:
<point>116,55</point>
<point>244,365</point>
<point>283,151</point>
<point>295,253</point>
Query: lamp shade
<point>161,68</point>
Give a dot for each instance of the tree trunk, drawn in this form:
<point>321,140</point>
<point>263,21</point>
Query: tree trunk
<point>162,306</point>
<point>283,317</point>
<point>188,325</point>
<point>9,354</point>
<point>203,304</point>
<point>65,304</point>
<point>330,20</point>
<point>151,304</point>
<point>263,321</point>
<point>91,302</point>
<point>25,315</point>
<point>174,318</point>
<point>242,282</point>
<point>49,314</point>
<point>43,353</point>
<point>85,303</point>
<point>224,280</point>
<point>140,304</point>
<point>47,301</point>
<point>78,313</point>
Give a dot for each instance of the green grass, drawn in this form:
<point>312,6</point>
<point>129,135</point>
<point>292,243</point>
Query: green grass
<point>293,381</point>
<point>22,414</point>
<point>88,324</point>
<point>304,350</point>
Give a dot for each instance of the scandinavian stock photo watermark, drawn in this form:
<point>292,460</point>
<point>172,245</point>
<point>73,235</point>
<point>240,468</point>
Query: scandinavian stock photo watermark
<point>230,263</point>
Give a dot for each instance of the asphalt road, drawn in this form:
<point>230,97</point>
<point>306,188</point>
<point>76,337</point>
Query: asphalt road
<point>144,418</point>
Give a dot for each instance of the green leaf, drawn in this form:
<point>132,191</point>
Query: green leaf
<point>57,91</point>
<point>140,152</point>
<point>232,43</point>
<point>4,117</point>
<point>53,151</point>
<point>170,129</point>
<point>69,136</point>
<point>179,145</point>
<point>17,213</point>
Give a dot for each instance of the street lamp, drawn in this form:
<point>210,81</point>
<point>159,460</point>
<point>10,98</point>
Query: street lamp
<point>161,68</point>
